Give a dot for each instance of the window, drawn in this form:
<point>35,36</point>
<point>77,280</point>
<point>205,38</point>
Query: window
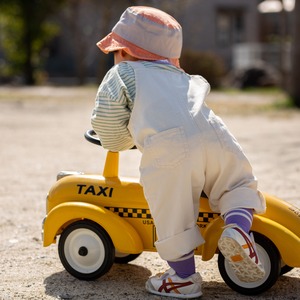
<point>230,27</point>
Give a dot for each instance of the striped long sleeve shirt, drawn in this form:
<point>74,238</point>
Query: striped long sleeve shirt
<point>114,103</point>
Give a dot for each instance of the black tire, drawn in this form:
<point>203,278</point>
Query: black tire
<point>269,257</point>
<point>121,258</point>
<point>86,250</point>
<point>285,269</point>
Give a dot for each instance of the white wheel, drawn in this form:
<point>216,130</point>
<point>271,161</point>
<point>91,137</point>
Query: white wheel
<point>124,258</point>
<point>86,250</point>
<point>270,259</point>
<point>87,258</point>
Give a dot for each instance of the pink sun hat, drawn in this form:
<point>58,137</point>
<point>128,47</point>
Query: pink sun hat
<point>145,33</point>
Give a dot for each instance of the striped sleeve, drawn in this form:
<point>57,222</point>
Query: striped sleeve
<point>113,106</point>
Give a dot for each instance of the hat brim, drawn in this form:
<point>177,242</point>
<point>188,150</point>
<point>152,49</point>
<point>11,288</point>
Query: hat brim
<point>113,42</point>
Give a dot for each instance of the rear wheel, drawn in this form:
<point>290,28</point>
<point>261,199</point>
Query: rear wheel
<point>86,250</point>
<point>285,269</point>
<point>124,258</point>
<point>269,257</point>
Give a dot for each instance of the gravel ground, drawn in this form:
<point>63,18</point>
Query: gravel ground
<point>42,133</point>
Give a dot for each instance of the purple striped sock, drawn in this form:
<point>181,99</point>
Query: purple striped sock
<point>242,217</point>
<point>184,267</point>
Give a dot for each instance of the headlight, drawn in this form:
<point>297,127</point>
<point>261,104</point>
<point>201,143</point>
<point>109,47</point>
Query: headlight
<point>63,174</point>
<point>43,228</point>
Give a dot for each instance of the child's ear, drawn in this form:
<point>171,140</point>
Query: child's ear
<point>125,56</point>
<point>123,53</point>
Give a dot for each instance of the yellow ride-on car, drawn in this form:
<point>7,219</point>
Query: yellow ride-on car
<point>102,219</point>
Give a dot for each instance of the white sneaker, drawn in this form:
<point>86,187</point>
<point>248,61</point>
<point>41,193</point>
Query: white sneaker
<point>170,285</point>
<point>239,250</point>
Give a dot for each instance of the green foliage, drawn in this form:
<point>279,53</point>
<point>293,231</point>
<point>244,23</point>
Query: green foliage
<point>206,64</point>
<point>25,30</point>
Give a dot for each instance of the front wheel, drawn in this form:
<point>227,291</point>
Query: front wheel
<point>269,257</point>
<point>86,250</point>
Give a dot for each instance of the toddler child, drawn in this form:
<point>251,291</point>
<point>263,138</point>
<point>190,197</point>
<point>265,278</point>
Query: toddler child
<point>147,100</point>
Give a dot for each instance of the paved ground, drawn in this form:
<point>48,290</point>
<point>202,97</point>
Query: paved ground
<point>42,133</point>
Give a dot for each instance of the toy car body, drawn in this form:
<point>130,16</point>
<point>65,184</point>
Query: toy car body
<point>102,219</point>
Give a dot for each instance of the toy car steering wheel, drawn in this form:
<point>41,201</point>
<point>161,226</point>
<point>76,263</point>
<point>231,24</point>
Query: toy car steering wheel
<point>91,136</point>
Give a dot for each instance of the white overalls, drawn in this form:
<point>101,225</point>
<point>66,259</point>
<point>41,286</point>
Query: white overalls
<point>185,149</point>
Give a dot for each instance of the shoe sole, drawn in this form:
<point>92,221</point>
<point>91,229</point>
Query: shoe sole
<point>174,295</point>
<point>243,266</point>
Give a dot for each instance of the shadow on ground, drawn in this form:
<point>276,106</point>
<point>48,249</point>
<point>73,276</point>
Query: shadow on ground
<point>121,282</point>
<point>128,282</point>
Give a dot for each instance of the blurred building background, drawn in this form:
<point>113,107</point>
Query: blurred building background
<point>238,42</point>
